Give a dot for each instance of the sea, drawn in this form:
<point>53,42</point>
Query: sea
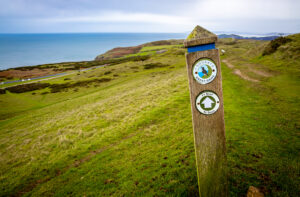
<point>18,50</point>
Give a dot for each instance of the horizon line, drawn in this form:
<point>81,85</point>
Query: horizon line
<point>186,32</point>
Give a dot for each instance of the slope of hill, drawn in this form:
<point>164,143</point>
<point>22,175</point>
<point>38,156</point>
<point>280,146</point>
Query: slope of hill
<point>247,37</point>
<point>147,48</point>
<point>132,135</point>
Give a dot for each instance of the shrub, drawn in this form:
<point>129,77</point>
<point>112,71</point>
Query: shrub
<point>27,87</point>
<point>155,65</point>
<point>61,87</point>
<point>181,52</point>
<point>274,44</point>
<point>141,58</point>
<point>26,68</point>
<point>107,72</point>
<point>2,91</point>
<point>58,87</point>
<point>233,42</point>
<point>160,42</point>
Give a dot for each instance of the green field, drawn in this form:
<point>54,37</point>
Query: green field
<point>161,47</point>
<point>132,135</point>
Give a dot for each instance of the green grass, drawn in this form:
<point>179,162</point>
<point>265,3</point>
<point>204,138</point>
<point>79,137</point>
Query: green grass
<point>36,80</point>
<point>151,50</point>
<point>160,47</point>
<point>132,136</point>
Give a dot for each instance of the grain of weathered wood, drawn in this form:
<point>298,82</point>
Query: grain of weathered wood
<point>209,131</point>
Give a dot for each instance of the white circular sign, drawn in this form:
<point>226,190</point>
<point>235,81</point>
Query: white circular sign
<point>207,102</point>
<point>204,71</point>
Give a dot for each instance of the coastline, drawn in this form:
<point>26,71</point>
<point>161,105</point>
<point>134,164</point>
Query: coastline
<point>22,50</point>
<point>116,55</point>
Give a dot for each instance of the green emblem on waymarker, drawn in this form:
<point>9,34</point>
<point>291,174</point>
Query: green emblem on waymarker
<point>204,71</point>
<point>207,102</point>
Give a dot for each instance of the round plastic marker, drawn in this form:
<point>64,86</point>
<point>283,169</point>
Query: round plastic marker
<point>204,71</point>
<point>207,102</point>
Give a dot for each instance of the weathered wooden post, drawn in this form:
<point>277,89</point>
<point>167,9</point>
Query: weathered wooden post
<point>205,82</point>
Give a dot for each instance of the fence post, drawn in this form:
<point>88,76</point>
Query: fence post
<point>205,83</point>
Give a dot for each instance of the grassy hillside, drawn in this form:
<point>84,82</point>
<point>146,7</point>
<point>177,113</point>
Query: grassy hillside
<point>132,135</point>
<point>149,48</point>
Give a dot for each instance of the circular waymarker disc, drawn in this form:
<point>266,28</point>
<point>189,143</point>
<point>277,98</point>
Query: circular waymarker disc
<point>204,71</point>
<point>207,102</point>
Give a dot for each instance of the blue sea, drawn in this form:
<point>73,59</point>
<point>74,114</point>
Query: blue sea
<point>32,49</point>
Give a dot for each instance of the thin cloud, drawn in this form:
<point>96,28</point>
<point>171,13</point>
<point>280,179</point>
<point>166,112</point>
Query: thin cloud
<point>153,16</point>
<point>116,17</point>
<point>245,9</point>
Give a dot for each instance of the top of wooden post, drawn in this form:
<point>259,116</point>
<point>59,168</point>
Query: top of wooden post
<point>200,36</point>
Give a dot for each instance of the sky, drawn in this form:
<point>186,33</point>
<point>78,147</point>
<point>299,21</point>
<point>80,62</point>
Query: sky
<point>172,16</point>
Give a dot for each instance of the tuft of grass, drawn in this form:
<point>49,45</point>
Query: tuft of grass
<point>107,72</point>
<point>155,65</point>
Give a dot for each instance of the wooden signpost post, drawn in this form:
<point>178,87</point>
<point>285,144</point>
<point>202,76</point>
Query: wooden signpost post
<point>205,82</point>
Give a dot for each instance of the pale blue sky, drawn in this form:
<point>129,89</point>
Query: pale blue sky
<point>42,16</point>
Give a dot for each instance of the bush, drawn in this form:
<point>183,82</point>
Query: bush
<point>64,66</point>
<point>119,60</point>
<point>27,87</point>
<point>155,65</point>
<point>2,91</point>
<point>134,67</point>
<point>160,42</point>
<point>61,87</point>
<point>181,52</point>
<point>54,87</point>
<point>26,68</point>
<point>233,42</point>
<point>58,87</point>
<point>107,72</point>
<point>141,58</point>
<point>274,44</point>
